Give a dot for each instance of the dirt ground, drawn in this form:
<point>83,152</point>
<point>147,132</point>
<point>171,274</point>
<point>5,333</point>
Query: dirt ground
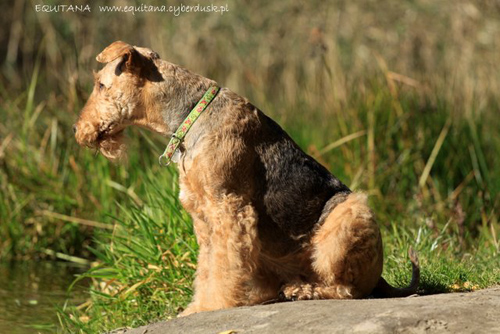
<point>473,312</point>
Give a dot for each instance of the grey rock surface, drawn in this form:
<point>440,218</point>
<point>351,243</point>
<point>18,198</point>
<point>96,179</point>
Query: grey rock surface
<point>473,312</point>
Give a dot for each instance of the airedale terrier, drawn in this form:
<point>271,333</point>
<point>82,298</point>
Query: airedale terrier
<point>272,224</point>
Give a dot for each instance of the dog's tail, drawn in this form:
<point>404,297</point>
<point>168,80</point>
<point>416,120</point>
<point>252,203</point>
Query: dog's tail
<point>385,290</point>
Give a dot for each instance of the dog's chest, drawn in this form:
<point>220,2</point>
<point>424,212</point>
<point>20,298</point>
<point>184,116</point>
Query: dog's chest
<point>193,195</point>
<point>189,199</point>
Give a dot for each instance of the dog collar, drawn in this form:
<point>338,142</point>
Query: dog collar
<point>180,133</point>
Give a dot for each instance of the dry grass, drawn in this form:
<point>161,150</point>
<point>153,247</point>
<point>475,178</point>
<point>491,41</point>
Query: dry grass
<point>277,49</point>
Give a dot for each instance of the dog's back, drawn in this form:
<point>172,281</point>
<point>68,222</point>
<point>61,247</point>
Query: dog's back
<point>293,187</point>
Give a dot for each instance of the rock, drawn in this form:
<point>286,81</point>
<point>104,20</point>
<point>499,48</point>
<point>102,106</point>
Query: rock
<point>473,312</point>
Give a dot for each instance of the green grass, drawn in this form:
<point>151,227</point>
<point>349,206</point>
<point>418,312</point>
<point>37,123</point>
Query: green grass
<point>400,103</point>
<point>146,265</point>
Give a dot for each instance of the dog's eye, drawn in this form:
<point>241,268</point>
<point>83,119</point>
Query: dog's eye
<point>101,86</point>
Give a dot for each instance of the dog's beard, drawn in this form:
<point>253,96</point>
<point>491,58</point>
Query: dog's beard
<point>113,147</point>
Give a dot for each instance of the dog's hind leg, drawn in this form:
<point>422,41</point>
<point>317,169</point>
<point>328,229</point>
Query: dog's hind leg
<point>346,255</point>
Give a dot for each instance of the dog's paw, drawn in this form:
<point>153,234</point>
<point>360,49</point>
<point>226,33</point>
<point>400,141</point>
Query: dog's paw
<point>191,309</point>
<point>282,297</point>
<point>296,291</point>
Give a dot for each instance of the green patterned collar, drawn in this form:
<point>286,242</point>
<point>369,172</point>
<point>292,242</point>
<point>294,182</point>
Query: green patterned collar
<point>179,135</point>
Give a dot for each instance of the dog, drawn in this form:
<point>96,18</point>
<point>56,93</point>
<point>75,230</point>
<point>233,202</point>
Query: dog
<point>272,224</point>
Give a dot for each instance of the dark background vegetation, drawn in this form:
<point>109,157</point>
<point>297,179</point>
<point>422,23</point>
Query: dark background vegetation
<point>397,98</point>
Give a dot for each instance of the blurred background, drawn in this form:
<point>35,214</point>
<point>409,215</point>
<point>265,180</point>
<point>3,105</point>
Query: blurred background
<point>397,98</point>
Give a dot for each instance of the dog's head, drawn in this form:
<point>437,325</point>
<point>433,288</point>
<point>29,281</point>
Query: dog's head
<point>116,99</point>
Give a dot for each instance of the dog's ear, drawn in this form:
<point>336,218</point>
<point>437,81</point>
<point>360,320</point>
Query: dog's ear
<point>113,51</point>
<point>132,59</point>
<point>136,60</point>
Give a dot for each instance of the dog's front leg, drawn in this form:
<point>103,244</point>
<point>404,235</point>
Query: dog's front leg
<point>235,252</point>
<point>231,257</point>
<point>201,281</point>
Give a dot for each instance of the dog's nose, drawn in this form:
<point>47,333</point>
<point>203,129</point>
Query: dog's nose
<point>74,129</point>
